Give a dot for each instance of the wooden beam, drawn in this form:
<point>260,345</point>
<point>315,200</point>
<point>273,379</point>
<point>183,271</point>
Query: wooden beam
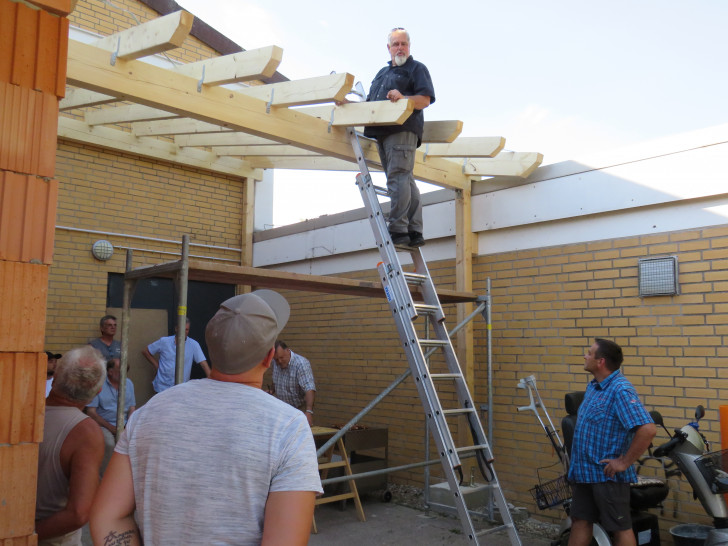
<point>80,98</point>
<point>143,83</point>
<point>301,92</point>
<point>467,147</point>
<point>313,163</point>
<point>351,114</point>
<point>228,138</point>
<point>275,150</point>
<point>442,131</point>
<point>177,126</point>
<point>126,114</point>
<point>245,66</point>
<point>268,278</point>
<point>155,36</point>
<point>152,148</point>
<point>519,164</point>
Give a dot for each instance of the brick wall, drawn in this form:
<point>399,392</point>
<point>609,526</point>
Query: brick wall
<point>112,192</point>
<point>548,305</point>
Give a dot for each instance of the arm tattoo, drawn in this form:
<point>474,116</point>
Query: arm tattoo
<point>119,539</point>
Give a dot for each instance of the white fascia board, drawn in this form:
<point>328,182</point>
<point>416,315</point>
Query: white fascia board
<point>627,223</point>
<point>439,221</point>
<point>697,173</point>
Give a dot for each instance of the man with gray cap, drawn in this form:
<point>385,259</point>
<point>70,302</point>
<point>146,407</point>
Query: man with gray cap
<point>215,461</point>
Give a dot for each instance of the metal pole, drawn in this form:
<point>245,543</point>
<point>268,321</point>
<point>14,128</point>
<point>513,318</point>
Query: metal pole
<point>129,285</point>
<point>182,311</point>
<point>489,330</point>
<point>426,490</point>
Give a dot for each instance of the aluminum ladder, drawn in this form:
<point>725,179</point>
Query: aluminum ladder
<point>419,346</point>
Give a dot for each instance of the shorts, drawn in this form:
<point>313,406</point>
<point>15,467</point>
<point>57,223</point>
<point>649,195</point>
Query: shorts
<point>605,503</point>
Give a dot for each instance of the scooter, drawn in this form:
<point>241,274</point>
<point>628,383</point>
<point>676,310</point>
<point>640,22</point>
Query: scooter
<point>648,493</point>
<point>704,470</point>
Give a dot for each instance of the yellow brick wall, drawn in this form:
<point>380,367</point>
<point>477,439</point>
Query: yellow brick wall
<point>548,304</point>
<point>119,193</point>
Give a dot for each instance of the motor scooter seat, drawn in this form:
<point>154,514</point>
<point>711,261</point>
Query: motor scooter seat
<point>647,493</point>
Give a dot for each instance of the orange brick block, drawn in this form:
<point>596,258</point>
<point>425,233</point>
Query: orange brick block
<point>23,292</point>
<point>27,217</point>
<point>22,397</point>
<point>18,474</point>
<point>28,130</point>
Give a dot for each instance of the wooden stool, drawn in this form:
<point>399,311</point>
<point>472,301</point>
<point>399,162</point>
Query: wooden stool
<point>325,463</point>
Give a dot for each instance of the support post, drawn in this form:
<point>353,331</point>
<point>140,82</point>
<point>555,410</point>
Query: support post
<point>129,287</point>
<point>182,275</point>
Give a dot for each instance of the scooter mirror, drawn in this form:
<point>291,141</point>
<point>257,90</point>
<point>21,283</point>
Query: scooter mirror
<point>657,418</point>
<point>699,413</point>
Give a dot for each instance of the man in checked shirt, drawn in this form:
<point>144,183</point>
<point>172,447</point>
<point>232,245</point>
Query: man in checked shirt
<point>613,430</point>
<point>293,380</point>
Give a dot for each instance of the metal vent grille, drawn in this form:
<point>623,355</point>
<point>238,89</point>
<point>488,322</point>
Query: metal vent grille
<point>658,276</point>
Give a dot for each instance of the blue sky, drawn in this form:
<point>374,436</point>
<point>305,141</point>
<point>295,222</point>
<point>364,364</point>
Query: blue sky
<point>564,78</point>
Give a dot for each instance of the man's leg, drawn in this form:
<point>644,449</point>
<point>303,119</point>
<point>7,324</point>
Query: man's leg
<point>581,532</point>
<point>397,153</point>
<point>614,511</point>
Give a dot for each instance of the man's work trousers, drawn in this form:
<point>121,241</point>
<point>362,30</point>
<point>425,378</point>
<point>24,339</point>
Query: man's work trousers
<point>397,153</point>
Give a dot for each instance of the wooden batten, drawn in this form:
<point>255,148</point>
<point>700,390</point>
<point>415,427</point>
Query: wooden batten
<point>27,217</point>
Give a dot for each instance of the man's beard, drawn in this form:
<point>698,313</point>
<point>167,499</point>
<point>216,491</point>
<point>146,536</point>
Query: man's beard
<point>399,60</point>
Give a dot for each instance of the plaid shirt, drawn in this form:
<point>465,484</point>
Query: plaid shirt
<point>604,429</point>
<point>292,382</point>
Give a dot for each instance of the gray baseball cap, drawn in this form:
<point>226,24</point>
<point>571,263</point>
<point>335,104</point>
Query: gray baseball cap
<point>244,329</point>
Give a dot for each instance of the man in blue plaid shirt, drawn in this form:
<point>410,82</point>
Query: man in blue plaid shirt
<point>613,430</point>
<point>293,380</point>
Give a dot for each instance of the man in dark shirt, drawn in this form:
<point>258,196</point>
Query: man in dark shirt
<point>403,77</point>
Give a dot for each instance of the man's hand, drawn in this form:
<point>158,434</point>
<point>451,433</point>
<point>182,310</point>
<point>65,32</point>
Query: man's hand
<point>309,418</point>
<point>394,95</point>
<point>614,466</point>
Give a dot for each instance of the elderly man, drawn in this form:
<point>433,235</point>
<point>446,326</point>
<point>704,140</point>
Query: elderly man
<point>402,78</point>
<point>106,344</point>
<point>71,451</point>
<point>612,431</point>
<point>260,475</point>
<point>103,407</point>
<point>293,380</point>
<point>165,363</point>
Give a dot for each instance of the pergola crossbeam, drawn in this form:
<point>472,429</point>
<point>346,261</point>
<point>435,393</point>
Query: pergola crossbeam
<point>245,66</point>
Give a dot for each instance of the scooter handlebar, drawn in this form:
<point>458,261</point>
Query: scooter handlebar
<point>666,448</point>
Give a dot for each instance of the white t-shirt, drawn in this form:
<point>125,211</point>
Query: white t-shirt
<point>167,349</point>
<point>205,455</point>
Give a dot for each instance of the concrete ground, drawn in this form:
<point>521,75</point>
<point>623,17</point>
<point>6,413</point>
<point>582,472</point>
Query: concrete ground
<point>390,524</point>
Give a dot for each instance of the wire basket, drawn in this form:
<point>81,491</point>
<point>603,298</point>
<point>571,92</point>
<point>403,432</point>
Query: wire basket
<point>551,493</point>
<point>714,468</point>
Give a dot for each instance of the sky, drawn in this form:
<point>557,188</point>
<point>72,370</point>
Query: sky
<point>565,78</point>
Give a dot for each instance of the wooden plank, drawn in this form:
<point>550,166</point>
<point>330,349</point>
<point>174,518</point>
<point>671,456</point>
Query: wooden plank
<point>333,87</point>
<point>244,66</point>
<point>79,98</point>
<point>313,163</point>
<point>178,126</point>
<point>106,137</point>
<point>467,147</point>
<point>126,114</point>
<point>442,131</point>
<point>155,36</point>
<point>283,280</point>
<point>520,164</point>
<point>89,67</point>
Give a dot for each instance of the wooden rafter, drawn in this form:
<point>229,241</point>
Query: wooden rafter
<point>520,164</point>
<point>89,68</point>
<point>467,147</point>
<point>245,66</point>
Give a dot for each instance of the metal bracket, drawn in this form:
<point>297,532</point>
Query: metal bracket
<point>465,163</point>
<point>331,121</point>
<point>427,150</point>
<point>202,79</point>
<point>115,54</point>
<point>270,102</point>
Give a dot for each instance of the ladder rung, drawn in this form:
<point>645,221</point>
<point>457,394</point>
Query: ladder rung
<point>335,464</point>
<point>445,376</point>
<point>471,448</point>
<point>414,278</point>
<point>379,190</point>
<point>427,309</point>
<point>458,411</point>
<point>434,342</point>
<point>492,530</point>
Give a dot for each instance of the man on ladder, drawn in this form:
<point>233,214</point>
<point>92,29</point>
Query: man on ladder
<point>402,78</point>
